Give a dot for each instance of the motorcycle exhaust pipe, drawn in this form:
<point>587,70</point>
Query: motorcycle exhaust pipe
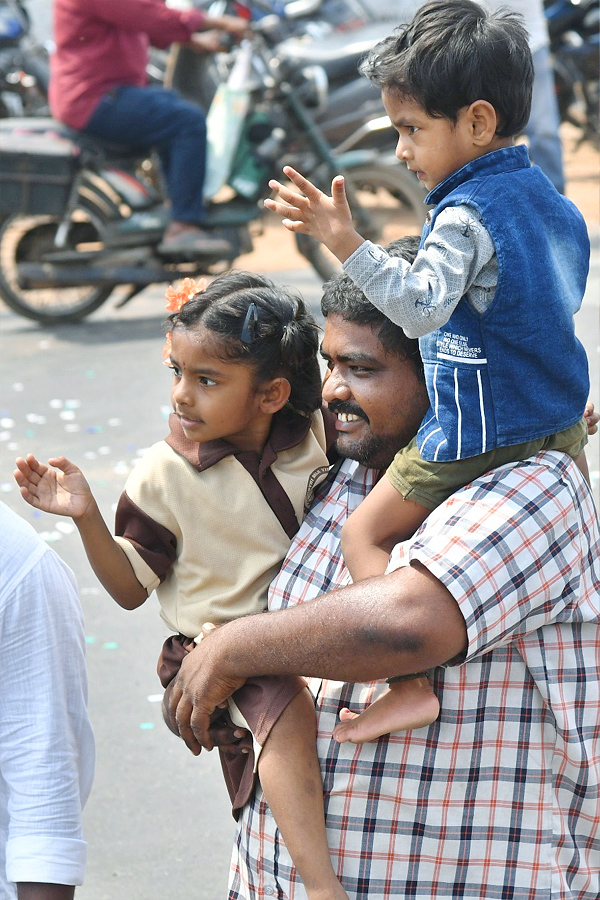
<point>37,276</point>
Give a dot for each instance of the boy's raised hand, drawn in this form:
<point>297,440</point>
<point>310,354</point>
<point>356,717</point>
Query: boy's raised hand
<point>61,489</point>
<point>327,219</point>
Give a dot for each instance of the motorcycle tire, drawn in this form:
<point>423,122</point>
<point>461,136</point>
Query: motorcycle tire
<point>394,199</point>
<point>26,238</point>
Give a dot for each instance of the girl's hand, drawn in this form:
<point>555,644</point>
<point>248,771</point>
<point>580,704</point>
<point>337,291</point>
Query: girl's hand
<point>591,417</point>
<point>64,492</point>
<point>327,219</point>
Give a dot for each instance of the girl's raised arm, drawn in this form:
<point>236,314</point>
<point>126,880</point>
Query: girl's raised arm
<point>61,488</point>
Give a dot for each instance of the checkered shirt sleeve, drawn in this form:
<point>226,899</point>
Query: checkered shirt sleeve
<point>499,798</point>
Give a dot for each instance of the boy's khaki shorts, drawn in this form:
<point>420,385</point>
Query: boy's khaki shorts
<point>430,483</point>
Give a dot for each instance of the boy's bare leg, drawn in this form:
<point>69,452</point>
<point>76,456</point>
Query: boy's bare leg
<point>407,704</point>
<point>290,776</point>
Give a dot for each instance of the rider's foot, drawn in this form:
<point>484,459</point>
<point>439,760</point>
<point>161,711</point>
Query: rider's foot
<point>183,239</point>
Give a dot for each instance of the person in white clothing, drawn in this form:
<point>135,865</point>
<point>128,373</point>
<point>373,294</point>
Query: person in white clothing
<point>47,752</point>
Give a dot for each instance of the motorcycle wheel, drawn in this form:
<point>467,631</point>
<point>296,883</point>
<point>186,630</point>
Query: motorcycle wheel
<point>394,200</point>
<point>27,239</point>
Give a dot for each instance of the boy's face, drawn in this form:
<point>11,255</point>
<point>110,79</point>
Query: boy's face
<point>432,147</point>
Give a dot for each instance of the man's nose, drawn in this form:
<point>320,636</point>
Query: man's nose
<point>335,387</point>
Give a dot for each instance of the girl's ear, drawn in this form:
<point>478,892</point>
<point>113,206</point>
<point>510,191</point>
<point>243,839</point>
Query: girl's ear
<point>274,395</point>
<point>483,122</point>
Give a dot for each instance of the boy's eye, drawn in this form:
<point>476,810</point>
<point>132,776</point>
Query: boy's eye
<point>412,129</point>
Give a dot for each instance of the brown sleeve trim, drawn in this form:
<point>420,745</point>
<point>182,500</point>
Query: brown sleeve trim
<point>156,545</point>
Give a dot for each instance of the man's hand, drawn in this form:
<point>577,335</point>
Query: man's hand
<point>201,687</point>
<point>233,25</point>
<point>61,489</point>
<point>327,219</point>
<point>207,41</point>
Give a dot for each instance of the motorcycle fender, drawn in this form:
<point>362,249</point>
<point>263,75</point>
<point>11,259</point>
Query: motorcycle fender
<point>132,191</point>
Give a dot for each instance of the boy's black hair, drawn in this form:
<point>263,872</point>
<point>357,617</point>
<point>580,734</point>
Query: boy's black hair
<point>261,325</point>
<point>343,298</point>
<point>454,52</point>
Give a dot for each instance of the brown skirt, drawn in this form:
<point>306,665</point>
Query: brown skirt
<point>261,701</point>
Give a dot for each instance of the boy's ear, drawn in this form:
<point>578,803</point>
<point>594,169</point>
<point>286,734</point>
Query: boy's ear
<point>483,122</point>
<point>274,395</point>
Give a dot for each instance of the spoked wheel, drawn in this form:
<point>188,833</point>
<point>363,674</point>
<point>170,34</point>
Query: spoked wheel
<point>394,200</point>
<point>28,239</point>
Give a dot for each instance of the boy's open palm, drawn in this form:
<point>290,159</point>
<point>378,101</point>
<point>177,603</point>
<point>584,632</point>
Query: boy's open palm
<point>327,219</point>
<point>61,490</point>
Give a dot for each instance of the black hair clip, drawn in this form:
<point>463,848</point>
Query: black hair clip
<point>250,322</point>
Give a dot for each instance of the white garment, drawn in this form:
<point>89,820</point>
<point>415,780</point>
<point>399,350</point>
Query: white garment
<point>46,742</point>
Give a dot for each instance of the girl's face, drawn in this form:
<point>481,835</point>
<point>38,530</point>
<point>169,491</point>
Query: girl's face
<point>214,398</point>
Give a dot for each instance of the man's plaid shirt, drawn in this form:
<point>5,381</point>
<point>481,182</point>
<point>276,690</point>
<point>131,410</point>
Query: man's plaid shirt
<point>498,799</point>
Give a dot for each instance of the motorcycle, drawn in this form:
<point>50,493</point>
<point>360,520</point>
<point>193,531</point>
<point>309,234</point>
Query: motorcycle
<point>79,217</point>
<point>575,46</point>
<point>24,65</point>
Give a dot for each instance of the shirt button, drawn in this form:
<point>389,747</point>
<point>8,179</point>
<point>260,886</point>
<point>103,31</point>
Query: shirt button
<point>270,891</point>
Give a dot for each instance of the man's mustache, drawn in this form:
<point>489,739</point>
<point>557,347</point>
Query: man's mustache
<point>343,406</point>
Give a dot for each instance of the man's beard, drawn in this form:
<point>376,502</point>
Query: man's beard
<point>374,451</point>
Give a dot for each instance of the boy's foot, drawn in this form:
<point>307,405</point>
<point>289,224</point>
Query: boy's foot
<point>406,705</point>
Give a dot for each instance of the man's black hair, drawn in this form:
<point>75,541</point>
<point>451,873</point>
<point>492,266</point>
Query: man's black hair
<point>343,298</point>
<point>454,52</point>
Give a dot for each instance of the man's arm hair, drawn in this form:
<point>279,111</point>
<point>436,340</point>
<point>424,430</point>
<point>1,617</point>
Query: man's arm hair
<point>395,624</point>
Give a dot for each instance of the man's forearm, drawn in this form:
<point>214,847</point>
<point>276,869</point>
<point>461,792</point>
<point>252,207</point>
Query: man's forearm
<point>397,624</point>
<point>30,891</point>
<point>393,625</point>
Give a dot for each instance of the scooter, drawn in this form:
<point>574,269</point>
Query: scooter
<point>80,217</point>
<point>24,64</point>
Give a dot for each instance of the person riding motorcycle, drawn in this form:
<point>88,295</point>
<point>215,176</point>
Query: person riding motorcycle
<point>98,85</point>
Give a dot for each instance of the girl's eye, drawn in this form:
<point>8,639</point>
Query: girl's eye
<point>173,369</point>
<point>207,382</point>
<point>412,129</point>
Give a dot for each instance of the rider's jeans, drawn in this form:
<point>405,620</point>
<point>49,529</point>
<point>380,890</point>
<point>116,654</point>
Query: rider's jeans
<point>153,116</point>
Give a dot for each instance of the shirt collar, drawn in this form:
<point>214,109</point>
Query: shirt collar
<point>288,430</point>
<point>507,159</point>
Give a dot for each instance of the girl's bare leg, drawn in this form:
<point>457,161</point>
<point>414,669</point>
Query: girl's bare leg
<point>290,776</point>
<point>407,704</point>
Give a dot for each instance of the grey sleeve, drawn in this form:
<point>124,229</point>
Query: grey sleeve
<point>458,259</point>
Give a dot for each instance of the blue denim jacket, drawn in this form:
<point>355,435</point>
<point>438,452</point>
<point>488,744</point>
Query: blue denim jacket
<point>517,372</point>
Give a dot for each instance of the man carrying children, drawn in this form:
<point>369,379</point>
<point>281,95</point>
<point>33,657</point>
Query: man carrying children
<point>498,592</point>
<point>496,595</point>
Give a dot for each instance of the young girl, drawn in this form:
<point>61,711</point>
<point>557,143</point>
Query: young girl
<point>207,517</point>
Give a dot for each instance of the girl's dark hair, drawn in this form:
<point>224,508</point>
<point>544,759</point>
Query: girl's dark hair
<point>454,52</point>
<point>277,336</point>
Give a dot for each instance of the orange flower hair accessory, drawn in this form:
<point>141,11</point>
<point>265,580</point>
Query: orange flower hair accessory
<point>176,298</point>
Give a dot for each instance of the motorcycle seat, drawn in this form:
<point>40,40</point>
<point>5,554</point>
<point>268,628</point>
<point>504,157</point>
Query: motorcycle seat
<point>41,126</point>
<point>338,54</point>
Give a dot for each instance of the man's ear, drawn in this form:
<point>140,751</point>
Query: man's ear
<point>274,395</point>
<point>483,122</point>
